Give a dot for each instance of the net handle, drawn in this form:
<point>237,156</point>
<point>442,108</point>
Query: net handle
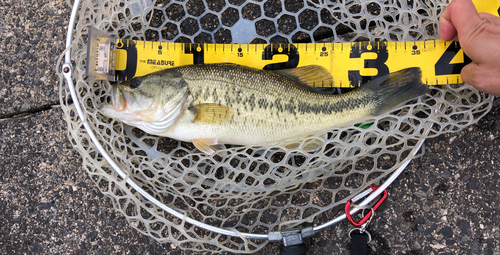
<point>67,71</point>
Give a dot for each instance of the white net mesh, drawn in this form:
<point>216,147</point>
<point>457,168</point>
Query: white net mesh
<point>254,189</point>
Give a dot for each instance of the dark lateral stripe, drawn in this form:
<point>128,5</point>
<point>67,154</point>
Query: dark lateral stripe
<point>230,92</point>
<point>301,107</point>
<point>294,106</point>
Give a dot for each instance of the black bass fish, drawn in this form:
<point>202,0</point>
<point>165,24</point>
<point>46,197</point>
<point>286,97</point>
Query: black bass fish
<point>215,104</point>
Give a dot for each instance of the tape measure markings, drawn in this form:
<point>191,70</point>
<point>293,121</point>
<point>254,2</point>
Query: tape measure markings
<point>350,63</point>
<point>382,59</point>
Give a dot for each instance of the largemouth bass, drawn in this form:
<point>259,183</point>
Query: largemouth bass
<point>215,104</point>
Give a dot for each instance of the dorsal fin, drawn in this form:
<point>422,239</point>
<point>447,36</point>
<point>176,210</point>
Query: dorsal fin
<point>313,76</point>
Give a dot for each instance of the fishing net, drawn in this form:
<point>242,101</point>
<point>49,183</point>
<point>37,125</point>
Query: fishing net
<point>262,188</point>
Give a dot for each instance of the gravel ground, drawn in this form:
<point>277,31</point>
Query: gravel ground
<point>32,36</point>
<point>445,202</point>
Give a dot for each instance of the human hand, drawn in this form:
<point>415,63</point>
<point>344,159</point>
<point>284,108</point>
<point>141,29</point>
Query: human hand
<point>479,37</point>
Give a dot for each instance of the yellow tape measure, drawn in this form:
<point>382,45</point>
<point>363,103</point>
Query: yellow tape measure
<point>350,64</point>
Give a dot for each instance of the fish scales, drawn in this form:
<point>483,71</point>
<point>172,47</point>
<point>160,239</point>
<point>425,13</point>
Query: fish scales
<point>265,100</point>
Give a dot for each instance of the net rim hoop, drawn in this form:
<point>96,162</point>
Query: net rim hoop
<point>67,71</point>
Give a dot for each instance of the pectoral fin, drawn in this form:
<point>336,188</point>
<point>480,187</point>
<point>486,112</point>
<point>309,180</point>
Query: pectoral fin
<point>208,145</point>
<point>309,145</point>
<point>312,145</point>
<point>212,114</point>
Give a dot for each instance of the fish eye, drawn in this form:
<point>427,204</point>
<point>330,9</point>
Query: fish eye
<point>135,83</point>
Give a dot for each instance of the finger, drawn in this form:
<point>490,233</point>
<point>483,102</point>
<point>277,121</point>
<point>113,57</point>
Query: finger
<point>447,30</point>
<point>458,19</point>
<point>490,17</point>
<point>469,72</point>
<point>481,78</point>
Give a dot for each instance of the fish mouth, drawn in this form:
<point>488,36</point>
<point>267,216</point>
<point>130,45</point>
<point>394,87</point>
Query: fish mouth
<point>120,98</point>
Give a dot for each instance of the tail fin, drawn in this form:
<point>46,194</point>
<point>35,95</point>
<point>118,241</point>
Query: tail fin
<point>396,88</point>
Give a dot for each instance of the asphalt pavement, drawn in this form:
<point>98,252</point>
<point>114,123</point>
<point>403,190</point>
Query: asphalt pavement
<point>445,202</point>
